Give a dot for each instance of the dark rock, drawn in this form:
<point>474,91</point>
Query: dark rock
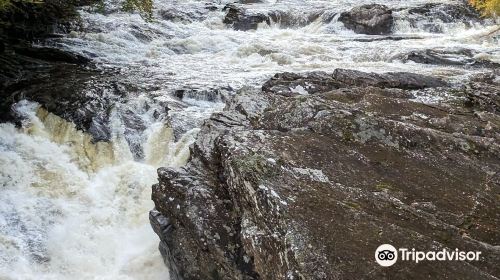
<point>178,15</point>
<point>77,93</point>
<point>287,19</point>
<point>29,20</point>
<point>461,57</point>
<point>484,95</point>
<point>370,19</point>
<point>212,95</point>
<point>245,19</point>
<point>249,1</point>
<point>51,54</point>
<point>239,19</point>
<point>291,84</point>
<point>386,38</point>
<point>309,186</point>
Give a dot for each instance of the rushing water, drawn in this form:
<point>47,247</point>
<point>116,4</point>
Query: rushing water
<point>70,208</point>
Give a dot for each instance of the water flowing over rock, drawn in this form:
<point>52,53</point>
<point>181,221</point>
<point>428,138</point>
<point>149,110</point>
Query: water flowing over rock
<point>244,19</point>
<point>369,19</point>
<point>431,16</point>
<point>240,20</point>
<point>281,187</point>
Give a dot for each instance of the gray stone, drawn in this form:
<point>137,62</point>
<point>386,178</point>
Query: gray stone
<point>373,19</point>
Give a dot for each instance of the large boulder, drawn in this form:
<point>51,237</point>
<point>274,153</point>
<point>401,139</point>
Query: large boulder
<point>373,19</point>
<point>240,19</point>
<point>307,186</point>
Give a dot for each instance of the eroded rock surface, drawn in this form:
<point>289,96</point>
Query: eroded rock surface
<point>308,185</point>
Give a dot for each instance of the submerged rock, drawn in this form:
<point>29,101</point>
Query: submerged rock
<point>373,19</point>
<point>433,17</point>
<point>308,186</point>
<point>457,12</point>
<point>461,57</point>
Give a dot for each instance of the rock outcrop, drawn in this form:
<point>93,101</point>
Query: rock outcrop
<point>291,83</point>
<point>373,19</point>
<point>306,185</point>
<point>292,184</point>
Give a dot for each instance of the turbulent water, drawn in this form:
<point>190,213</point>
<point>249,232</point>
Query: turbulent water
<point>72,208</point>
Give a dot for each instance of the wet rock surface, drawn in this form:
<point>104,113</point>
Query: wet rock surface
<point>458,12</point>
<point>66,85</point>
<point>243,19</point>
<point>239,19</point>
<point>61,84</point>
<point>459,57</point>
<point>307,186</point>
<point>429,17</point>
<point>373,19</point>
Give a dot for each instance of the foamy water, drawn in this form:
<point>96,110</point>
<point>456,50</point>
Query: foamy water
<point>71,208</point>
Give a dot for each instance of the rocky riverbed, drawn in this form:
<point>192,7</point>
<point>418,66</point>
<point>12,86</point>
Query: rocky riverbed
<point>282,139</point>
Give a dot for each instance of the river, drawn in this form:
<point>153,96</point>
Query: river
<point>71,208</point>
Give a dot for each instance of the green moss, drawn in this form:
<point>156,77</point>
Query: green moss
<point>347,135</point>
<point>444,236</point>
<point>255,165</point>
<point>468,223</point>
<point>383,187</point>
<point>100,6</point>
<point>353,205</point>
<point>6,5</point>
<point>301,99</point>
<point>144,7</point>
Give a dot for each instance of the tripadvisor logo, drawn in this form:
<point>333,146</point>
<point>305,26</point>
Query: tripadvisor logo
<point>387,255</point>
